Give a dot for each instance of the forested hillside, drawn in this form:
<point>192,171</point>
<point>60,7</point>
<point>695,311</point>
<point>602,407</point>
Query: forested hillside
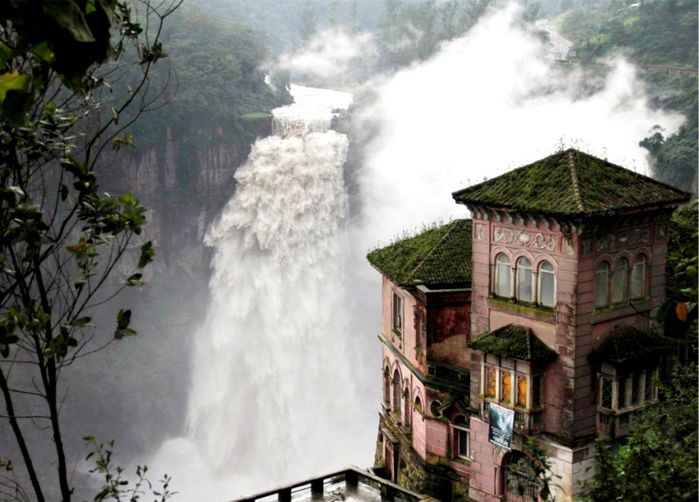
<point>661,37</point>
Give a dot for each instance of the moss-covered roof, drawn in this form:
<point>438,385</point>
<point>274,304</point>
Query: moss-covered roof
<point>516,342</point>
<point>571,183</point>
<point>628,348</point>
<point>437,256</point>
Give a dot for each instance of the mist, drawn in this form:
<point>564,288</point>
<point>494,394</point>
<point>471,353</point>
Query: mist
<point>483,104</point>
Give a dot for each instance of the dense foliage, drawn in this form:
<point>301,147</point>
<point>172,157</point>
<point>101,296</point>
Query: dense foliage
<point>658,461</point>
<point>219,72</point>
<point>61,236</point>
<point>660,36</point>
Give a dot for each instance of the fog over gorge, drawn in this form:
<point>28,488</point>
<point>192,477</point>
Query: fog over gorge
<point>483,104</point>
<point>185,282</point>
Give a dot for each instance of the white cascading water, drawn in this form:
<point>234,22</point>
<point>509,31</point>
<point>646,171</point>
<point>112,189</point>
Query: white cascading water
<point>272,390</point>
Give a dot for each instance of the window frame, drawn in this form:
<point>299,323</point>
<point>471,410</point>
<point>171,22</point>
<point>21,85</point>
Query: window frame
<point>539,278</point>
<point>420,328</point>
<point>503,266</point>
<point>397,314</point>
<point>619,279</point>
<point>509,368</point>
<point>461,430</point>
<point>407,410</point>
<point>520,269</point>
<point>622,389</point>
<point>602,284</point>
<point>641,261</point>
<point>387,387</point>
<point>396,396</point>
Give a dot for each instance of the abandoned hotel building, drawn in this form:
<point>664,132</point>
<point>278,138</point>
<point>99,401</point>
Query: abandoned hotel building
<point>533,318</point>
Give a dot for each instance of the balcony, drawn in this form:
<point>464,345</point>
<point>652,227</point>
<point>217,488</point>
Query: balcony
<point>526,421</point>
<point>453,377</point>
<point>616,424</point>
<point>351,483</point>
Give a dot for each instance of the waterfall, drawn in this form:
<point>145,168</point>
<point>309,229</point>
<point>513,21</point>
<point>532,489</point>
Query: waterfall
<point>272,391</point>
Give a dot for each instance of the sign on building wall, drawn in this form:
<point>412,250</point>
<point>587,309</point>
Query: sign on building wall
<point>502,421</point>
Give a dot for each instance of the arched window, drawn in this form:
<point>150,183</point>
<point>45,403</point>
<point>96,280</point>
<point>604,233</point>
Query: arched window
<point>418,404</point>
<point>406,407</point>
<point>520,477</point>
<point>461,437</point>
<point>620,277</point>
<point>396,393</point>
<point>547,285</point>
<point>638,278</point>
<point>387,387</point>
<point>502,276</point>
<point>602,285</point>
<point>524,281</point>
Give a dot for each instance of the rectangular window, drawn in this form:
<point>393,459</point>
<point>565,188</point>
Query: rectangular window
<point>397,313</point>
<point>648,394</point>
<point>419,327</point>
<point>506,386</point>
<point>536,391</point>
<point>638,278</point>
<point>635,387</point>
<point>547,286</point>
<point>602,286</point>
<point>502,276</point>
<point>490,383</point>
<point>462,438</point>
<point>619,281</point>
<point>621,396</point>
<point>606,392</point>
<point>521,391</point>
<point>524,281</point>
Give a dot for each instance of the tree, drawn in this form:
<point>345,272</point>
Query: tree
<point>532,474</point>
<point>74,75</point>
<point>658,461</point>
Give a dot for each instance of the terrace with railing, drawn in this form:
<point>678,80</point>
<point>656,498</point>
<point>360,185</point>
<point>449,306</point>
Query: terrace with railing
<point>351,484</point>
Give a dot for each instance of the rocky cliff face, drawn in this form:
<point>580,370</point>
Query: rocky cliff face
<point>184,183</point>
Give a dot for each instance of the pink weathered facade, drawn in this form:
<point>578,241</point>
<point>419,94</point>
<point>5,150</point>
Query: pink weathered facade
<point>551,289</point>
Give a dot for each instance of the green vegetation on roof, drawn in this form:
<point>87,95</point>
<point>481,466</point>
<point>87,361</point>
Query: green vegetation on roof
<point>515,342</point>
<point>439,255</point>
<point>628,348</point>
<point>571,183</point>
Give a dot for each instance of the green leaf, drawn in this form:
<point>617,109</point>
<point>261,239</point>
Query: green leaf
<point>44,52</point>
<point>147,254</point>
<point>122,141</point>
<point>123,319</point>
<point>90,7</point>
<point>5,54</point>
<point>135,280</point>
<point>81,321</point>
<point>124,333</point>
<point>13,81</point>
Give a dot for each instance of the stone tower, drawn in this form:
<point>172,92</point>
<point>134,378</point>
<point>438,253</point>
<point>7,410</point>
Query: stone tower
<point>568,268</point>
<point>533,319</point>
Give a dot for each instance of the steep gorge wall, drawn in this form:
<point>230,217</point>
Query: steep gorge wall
<point>184,183</point>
